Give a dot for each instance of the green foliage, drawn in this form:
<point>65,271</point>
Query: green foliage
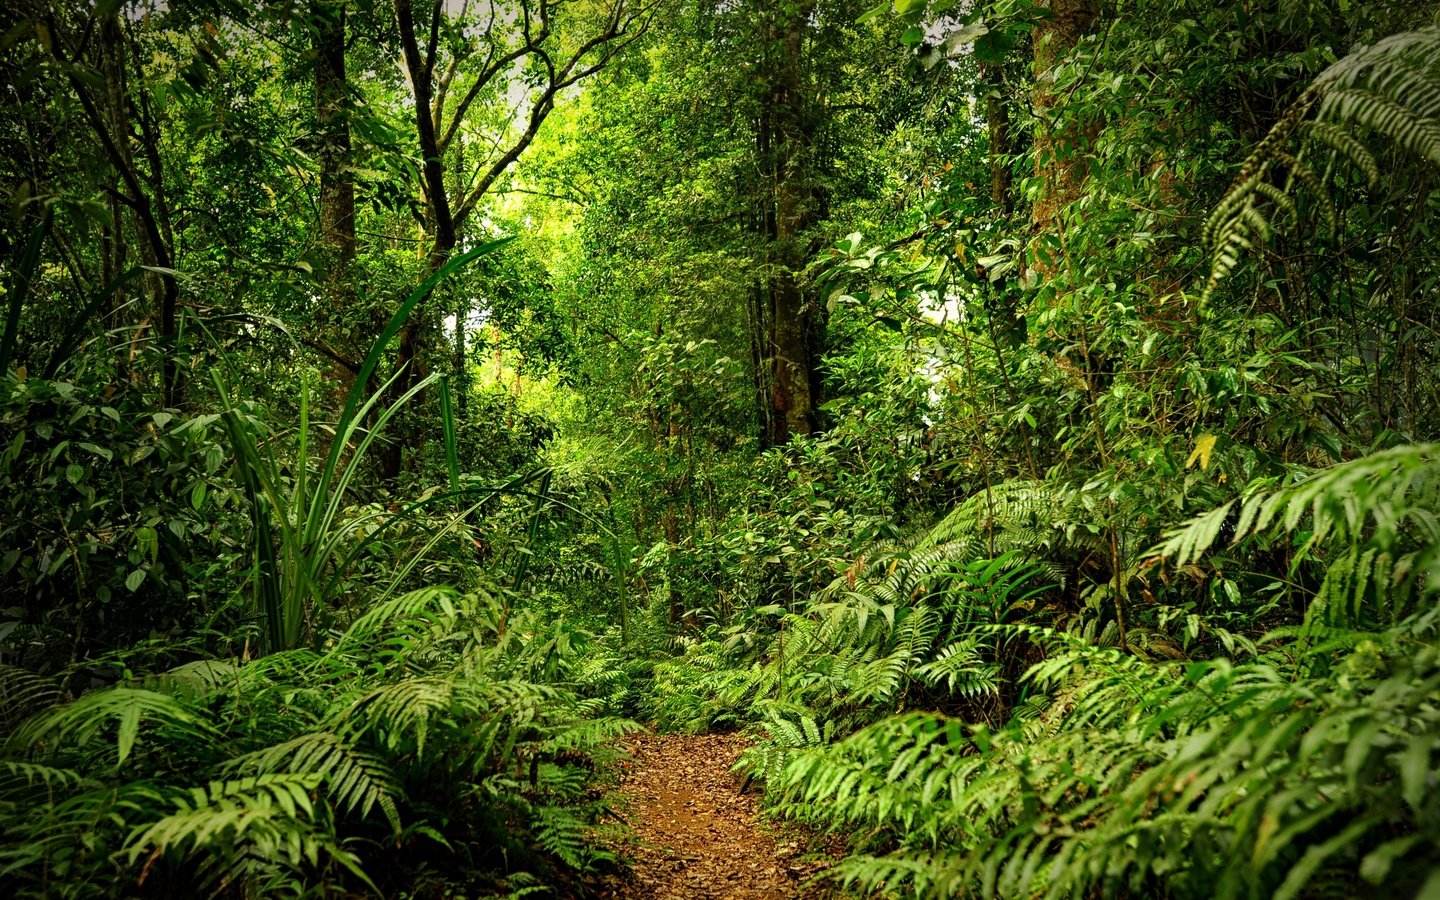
<point>913,631</point>
<point>1308,770</point>
<point>1388,92</point>
<point>1108,570</point>
<point>117,520</point>
<point>312,767</point>
<point>1368,523</point>
<point>299,579</point>
<point>1069,744</point>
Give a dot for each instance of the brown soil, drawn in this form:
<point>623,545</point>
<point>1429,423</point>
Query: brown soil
<point>698,837</point>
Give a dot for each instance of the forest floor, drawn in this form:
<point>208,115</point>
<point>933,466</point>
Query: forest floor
<point>696,835</point>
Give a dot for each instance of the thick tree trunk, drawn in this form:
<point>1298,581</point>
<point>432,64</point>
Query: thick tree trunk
<point>1059,160</point>
<point>337,190</point>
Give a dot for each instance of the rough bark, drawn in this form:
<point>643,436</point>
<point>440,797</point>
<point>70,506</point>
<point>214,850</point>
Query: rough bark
<point>1059,159</point>
<point>786,132</point>
<point>113,125</point>
<point>997,125</point>
<point>337,190</point>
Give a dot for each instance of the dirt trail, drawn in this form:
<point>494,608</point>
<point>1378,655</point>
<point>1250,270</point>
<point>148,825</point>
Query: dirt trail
<point>698,836</point>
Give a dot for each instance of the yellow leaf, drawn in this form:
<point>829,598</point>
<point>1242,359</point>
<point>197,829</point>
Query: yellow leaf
<point>1204,446</point>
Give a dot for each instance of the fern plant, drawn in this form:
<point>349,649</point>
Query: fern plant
<point>1369,524</point>
<point>1308,769</point>
<point>337,767</point>
<point>1388,91</point>
<point>1207,780</point>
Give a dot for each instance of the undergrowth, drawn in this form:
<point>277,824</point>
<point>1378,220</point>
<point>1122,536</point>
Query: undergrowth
<point>430,736</point>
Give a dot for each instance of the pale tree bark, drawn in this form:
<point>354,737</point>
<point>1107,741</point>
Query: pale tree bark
<point>1059,163</point>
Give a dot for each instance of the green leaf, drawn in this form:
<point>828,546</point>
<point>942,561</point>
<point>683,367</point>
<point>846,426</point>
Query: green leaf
<point>132,582</point>
<point>1376,864</point>
<point>129,720</point>
<point>966,35</point>
<point>993,46</point>
<point>875,13</point>
<point>97,450</point>
<point>22,271</point>
<point>1415,773</point>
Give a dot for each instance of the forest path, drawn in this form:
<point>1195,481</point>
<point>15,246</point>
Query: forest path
<point>698,837</point>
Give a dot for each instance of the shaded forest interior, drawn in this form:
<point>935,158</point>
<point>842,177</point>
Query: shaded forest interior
<point>1008,428</point>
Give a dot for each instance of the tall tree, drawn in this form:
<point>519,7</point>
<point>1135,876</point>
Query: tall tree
<point>785,139</point>
<point>535,49</point>
<point>121,122</point>
<point>337,183</point>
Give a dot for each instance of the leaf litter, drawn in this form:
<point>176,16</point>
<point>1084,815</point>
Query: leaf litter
<point>696,836</point>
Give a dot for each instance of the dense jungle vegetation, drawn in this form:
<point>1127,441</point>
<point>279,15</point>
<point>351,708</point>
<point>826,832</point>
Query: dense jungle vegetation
<point>1019,417</point>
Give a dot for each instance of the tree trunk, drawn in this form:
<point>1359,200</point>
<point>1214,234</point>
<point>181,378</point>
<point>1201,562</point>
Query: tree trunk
<point>997,121</point>
<point>337,191</point>
<point>462,362</point>
<point>440,225</point>
<point>1059,165</point>
<point>787,127</point>
<point>113,126</point>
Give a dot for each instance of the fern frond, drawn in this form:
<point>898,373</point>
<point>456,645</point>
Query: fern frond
<point>1390,90</point>
<point>23,693</point>
<point>122,708</point>
<point>356,778</point>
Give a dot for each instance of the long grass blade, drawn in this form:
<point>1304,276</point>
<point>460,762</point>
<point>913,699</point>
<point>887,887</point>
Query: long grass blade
<point>349,417</point>
<point>20,278</point>
<point>452,450</point>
